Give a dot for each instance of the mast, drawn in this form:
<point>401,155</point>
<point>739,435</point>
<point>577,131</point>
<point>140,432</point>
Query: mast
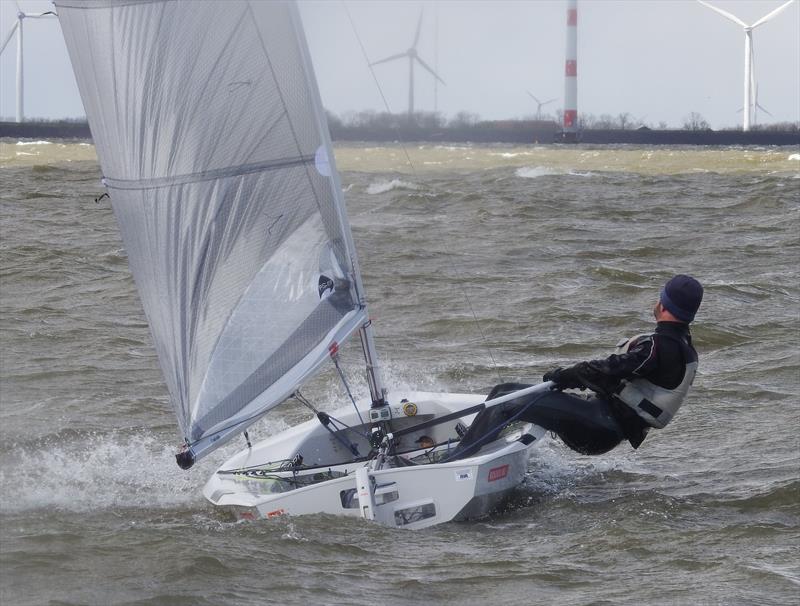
<point>376,388</point>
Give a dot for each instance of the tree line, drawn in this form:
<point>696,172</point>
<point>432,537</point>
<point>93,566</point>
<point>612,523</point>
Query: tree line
<point>371,119</point>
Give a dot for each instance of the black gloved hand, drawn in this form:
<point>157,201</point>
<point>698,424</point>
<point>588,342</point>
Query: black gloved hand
<point>552,375</point>
<point>565,378</point>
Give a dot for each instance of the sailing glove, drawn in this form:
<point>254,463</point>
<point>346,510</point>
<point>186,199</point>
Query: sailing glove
<point>564,378</point>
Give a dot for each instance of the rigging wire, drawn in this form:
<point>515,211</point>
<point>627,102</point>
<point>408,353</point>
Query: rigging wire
<point>335,359</point>
<point>414,172</point>
<point>377,84</point>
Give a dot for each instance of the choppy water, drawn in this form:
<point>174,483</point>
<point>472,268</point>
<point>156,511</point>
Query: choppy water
<point>560,250</point>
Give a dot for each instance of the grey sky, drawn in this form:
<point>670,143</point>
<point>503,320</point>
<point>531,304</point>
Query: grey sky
<point>658,60</point>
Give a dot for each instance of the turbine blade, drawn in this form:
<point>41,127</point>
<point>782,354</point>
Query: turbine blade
<point>725,14</point>
<point>550,101</point>
<point>392,58</point>
<point>758,105</point>
<point>761,107</point>
<point>769,16</point>
<point>419,28</point>
<point>532,96</point>
<point>40,15</point>
<point>426,66</point>
<point>9,36</point>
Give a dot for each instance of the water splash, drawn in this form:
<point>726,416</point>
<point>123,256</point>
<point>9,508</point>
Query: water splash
<point>102,471</point>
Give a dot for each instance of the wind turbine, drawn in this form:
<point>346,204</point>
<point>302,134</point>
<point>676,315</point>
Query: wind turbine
<point>21,16</point>
<point>749,79</point>
<point>412,55</point>
<point>539,104</point>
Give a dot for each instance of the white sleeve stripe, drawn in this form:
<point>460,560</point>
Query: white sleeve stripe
<point>649,357</point>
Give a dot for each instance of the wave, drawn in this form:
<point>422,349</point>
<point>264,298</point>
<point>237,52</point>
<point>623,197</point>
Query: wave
<point>534,172</point>
<point>381,187</point>
<point>34,142</point>
<point>510,154</point>
<point>777,497</point>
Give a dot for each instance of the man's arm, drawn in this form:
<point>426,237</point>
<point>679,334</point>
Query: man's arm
<point>605,375</point>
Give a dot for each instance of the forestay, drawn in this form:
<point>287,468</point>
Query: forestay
<point>214,146</point>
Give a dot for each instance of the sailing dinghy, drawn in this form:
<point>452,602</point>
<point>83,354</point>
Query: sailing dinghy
<point>215,149</point>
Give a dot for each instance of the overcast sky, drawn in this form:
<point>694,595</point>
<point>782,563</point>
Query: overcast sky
<point>657,60</point>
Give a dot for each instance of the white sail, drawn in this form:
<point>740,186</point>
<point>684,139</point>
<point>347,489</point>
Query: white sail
<point>214,146</point>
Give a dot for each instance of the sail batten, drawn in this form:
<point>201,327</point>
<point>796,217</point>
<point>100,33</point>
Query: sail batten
<point>211,133</point>
<point>232,171</point>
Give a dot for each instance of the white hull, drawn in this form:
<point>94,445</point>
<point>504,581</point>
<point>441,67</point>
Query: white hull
<point>259,482</point>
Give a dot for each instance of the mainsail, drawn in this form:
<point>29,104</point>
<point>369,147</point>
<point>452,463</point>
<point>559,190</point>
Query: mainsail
<point>212,138</point>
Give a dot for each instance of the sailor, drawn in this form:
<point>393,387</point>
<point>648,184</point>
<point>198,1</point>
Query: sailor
<point>640,387</point>
<point>643,385</point>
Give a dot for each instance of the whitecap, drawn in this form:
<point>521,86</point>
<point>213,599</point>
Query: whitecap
<point>795,157</point>
<point>510,154</point>
<point>34,142</point>
<point>533,172</point>
<point>380,187</point>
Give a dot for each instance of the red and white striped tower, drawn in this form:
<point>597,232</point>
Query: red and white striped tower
<point>571,74</point>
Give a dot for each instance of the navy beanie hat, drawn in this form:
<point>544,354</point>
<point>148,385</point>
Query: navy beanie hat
<point>681,296</point>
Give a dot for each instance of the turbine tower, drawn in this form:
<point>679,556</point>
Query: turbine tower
<point>412,55</point>
<point>539,104</point>
<point>21,16</point>
<point>749,78</point>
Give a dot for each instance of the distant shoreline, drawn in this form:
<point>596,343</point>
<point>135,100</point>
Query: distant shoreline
<point>516,132</point>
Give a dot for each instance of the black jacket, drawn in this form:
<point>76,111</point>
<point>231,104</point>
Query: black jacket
<point>659,358</point>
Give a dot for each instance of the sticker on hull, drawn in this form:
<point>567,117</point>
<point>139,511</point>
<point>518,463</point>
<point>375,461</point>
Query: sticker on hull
<point>498,473</point>
<point>463,474</point>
